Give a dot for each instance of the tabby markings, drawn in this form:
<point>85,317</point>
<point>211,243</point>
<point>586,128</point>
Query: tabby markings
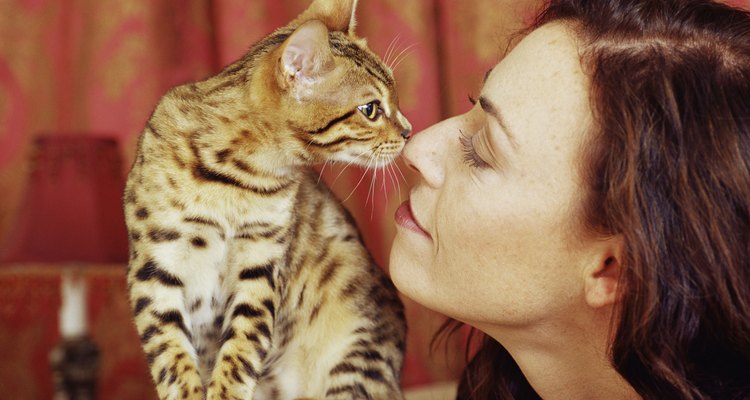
<point>151,356</point>
<point>263,271</point>
<point>348,368</point>
<point>314,313</point>
<point>372,355</point>
<point>246,310</point>
<point>198,242</point>
<point>268,303</point>
<point>163,235</point>
<point>149,333</point>
<point>362,59</point>
<point>207,222</point>
<point>222,86</point>
<point>203,221</point>
<point>244,167</point>
<point>141,304</point>
<point>357,390</point>
<point>172,317</point>
<point>329,271</point>
<point>228,334</point>
<point>202,172</point>
<point>332,123</point>
<point>249,370</point>
<point>196,305</point>
<point>222,155</point>
<point>255,236</point>
<point>337,141</point>
<point>153,130</point>
<point>262,327</point>
<point>141,213</point>
<point>151,270</point>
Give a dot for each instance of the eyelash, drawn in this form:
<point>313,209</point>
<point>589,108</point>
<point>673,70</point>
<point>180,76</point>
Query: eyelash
<point>470,156</point>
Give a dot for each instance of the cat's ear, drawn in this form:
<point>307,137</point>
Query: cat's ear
<point>337,15</point>
<point>306,56</point>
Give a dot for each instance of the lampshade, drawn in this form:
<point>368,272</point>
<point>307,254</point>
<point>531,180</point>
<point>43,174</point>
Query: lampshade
<point>71,210</point>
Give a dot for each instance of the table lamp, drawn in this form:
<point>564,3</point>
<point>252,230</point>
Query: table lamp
<point>71,216</point>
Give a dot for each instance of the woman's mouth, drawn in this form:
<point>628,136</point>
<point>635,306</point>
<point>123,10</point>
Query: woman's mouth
<point>405,218</point>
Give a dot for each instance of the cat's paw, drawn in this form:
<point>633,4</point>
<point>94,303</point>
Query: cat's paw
<point>178,380</point>
<point>184,387</point>
<point>228,388</point>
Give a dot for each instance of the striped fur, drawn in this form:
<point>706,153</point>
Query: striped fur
<point>247,278</point>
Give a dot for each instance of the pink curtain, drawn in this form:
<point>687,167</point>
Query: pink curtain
<point>98,67</point>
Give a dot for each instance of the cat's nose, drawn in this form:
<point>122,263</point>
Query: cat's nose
<point>405,125</point>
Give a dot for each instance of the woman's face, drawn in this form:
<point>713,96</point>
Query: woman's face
<point>489,235</point>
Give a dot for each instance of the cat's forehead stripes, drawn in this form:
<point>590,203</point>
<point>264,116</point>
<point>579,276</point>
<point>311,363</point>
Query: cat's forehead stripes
<point>268,44</point>
<point>364,59</point>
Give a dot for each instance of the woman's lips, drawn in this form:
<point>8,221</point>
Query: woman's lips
<point>405,218</point>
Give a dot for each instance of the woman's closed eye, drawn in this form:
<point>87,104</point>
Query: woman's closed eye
<point>469,150</point>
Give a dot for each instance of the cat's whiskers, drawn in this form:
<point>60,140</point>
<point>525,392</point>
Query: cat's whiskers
<point>369,187</point>
<point>396,168</point>
<point>309,143</point>
<point>369,162</point>
<point>402,56</point>
<point>347,165</point>
<point>390,50</point>
<point>385,181</point>
<point>320,175</point>
<point>373,179</point>
<point>395,164</point>
<point>394,179</point>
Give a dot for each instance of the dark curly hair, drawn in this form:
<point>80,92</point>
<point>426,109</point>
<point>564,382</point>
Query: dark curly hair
<point>667,166</point>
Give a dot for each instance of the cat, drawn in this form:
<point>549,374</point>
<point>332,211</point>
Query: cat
<point>247,278</point>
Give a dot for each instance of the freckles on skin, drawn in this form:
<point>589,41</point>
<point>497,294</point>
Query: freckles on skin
<point>503,250</point>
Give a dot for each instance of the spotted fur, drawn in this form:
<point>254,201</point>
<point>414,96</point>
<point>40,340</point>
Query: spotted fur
<point>247,278</point>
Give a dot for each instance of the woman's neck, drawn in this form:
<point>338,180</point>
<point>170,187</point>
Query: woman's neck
<point>566,362</point>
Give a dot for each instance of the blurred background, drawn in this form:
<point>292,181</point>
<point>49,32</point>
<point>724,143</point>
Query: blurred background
<point>78,80</point>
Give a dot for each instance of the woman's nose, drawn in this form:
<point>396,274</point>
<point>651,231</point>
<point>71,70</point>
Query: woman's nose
<point>424,152</point>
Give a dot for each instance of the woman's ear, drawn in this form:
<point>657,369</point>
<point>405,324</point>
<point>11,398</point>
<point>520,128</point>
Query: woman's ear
<point>602,279</point>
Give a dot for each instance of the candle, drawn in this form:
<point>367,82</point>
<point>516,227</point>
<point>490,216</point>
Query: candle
<point>73,309</point>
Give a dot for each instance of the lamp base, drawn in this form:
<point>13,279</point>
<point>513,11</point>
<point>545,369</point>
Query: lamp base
<point>75,362</point>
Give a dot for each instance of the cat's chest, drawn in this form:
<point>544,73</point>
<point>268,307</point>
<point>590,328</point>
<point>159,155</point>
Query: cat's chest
<point>234,209</point>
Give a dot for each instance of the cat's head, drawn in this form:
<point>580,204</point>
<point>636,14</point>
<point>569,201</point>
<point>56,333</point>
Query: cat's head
<point>338,98</point>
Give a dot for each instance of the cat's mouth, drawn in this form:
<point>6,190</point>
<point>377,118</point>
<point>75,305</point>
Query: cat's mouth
<point>372,157</point>
<point>389,151</point>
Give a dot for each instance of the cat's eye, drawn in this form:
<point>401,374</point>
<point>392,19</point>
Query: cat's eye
<point>371,110</point>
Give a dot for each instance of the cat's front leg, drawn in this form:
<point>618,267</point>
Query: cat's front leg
<point>160,319</point>
<point>246,335</point>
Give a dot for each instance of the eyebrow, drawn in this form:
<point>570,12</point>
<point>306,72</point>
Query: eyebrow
<point>492,110</point>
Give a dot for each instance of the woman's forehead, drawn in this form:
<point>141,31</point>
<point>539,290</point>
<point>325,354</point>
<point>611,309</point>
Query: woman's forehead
<point>547,52</point>
<point>541,81</point>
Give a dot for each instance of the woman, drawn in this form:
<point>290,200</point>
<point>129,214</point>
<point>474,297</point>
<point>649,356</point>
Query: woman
<point>591,214</point>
